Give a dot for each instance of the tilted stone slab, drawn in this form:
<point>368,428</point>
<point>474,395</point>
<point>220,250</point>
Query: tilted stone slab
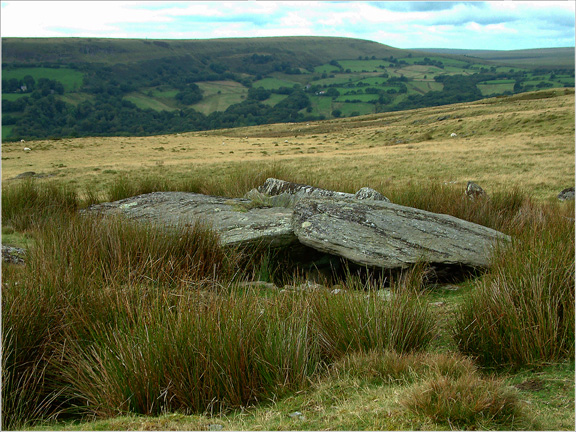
<point>272,187</point>
<point>283,193</point>
<point>234,219</point>
<point>386,235</point>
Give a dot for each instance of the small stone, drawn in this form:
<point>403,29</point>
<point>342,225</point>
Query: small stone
<point>13,255</point>
<point>297,414</point>
<point>384,294</point>
<point>258,284</point>
<point>438,304</point>
<point>473,190</point>
<point>567,194</point>
<point>367,193</point>
<point>309,286</point>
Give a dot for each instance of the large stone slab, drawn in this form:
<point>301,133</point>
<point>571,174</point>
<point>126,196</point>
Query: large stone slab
<point>236,220</point>
<point>386,235</point>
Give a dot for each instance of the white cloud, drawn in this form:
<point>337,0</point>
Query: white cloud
<point>42,18</point>
<point>488,25</point>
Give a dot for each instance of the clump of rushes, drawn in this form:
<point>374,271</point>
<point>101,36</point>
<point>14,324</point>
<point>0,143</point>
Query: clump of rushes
<point>522,311</point>
<point>28,318</point>
<point>360,322</point>
<point>30,202</point>
<point>194,354</point>
<point>80,251</point>
<point>387,367</point>
<point>199,351</point>
<point>81,270</point>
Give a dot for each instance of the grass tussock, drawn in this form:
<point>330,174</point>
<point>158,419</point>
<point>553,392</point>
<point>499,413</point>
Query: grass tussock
<point>390,366</point>
<point>198,354</point>
<point>367,321</point>
<point>446,389</point>
<point>522,311</point>
<point>466,403</point>
<point>29,202</point>
<point>82,251</point>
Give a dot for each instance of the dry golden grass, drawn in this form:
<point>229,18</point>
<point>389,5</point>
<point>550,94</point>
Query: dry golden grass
<point>527,141</point>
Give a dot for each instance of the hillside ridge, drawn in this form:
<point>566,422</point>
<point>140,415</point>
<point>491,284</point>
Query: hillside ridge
<point>129,50</point>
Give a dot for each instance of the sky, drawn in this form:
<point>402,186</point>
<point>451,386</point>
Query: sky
<point>492,25</point>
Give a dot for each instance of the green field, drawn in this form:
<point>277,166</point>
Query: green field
<point>361,97</point>
<point>321,106</point>
<point>272,83</point>
<point>424,86</point>
<point>146,102</point>
<point>6,131</point>
<point>364,65</point>
<point>75,98</point>
<point>354,109</point>
<point>14,96</point>
<point>71,79</point>
<point>274,99</point>
<point>219,95</point>
<point>496,87</point>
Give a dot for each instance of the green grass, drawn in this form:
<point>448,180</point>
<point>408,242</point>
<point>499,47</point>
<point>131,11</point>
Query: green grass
<point>147,102</point>
<point>272,83</point>
<point>6,131</point>
<point>550,392</point>
<point>219,96</point>
<point>75,98</point>
<point>359,108</point>
<point>274,99</point>
<point>14,96</point>
<point>321,105</point>
<point>71,79</point>
<point>364,65</point>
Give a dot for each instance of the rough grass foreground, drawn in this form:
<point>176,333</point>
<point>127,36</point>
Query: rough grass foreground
<point>109,318</point>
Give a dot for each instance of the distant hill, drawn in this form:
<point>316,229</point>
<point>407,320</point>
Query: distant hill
<point>67,87</point>
<point>302,50</point>
<point>534,58</point>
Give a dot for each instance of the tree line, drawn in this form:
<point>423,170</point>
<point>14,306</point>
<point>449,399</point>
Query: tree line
<point>49,117</point>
